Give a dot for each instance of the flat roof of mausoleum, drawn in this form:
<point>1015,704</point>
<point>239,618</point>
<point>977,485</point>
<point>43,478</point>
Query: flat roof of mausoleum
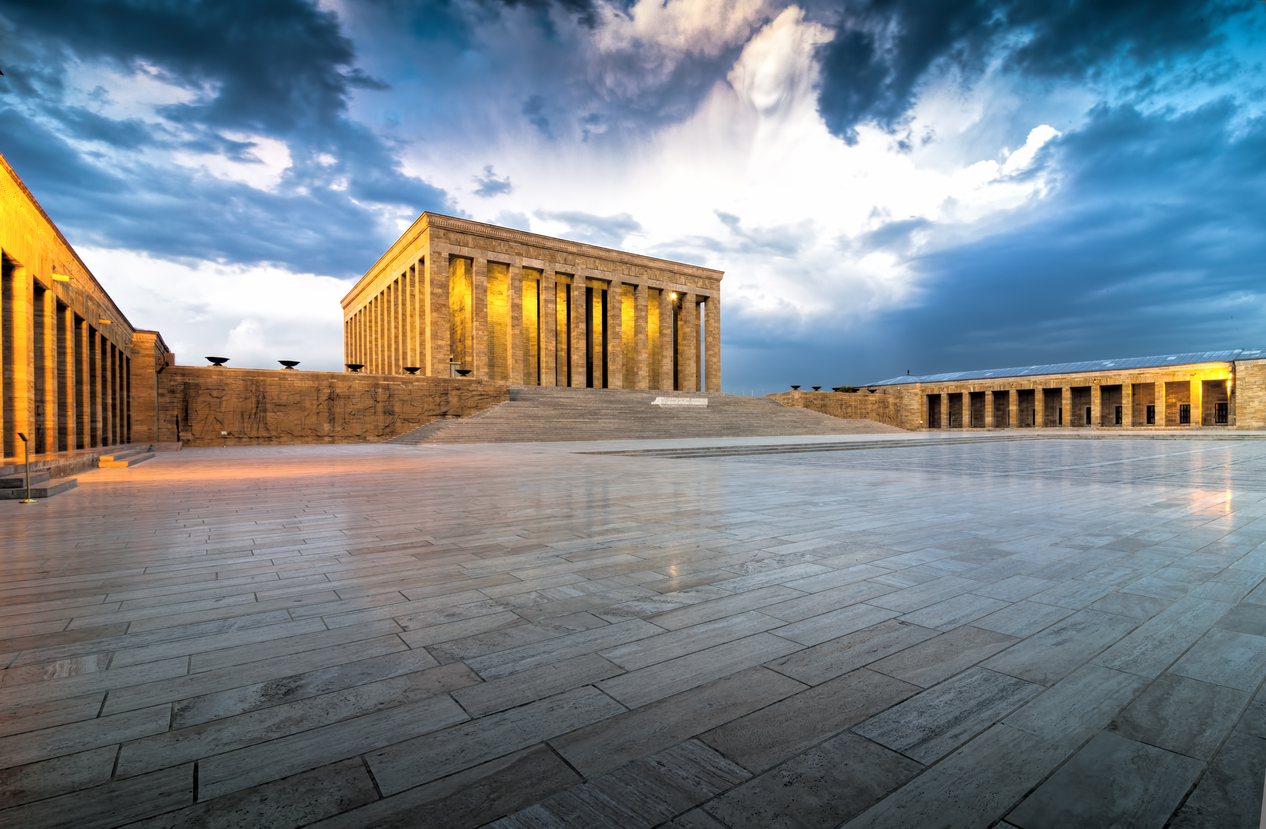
<point>1123,364</point>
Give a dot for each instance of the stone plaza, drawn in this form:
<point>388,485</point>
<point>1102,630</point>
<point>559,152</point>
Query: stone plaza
<point>860,631</point>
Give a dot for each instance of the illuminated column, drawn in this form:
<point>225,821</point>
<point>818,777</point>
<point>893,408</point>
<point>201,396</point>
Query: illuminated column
<point>989,424</point>
<point>665,355</point>
<point>687,337</point>
<point>83,386</point>
<point>615,335</point>
<point>66,420</point>
<point>1197,402</point>
<point>1039,407</point>
<point>1127,404</point>
<point>20,321</point>
<point>712,343</point>
<point>46,349</point>
<point>1066,403</point>
<point>1159,404</point>
<point>1096,404</point>
<point>641,349</point>
<point>514,334</point>
<point>1013,408</point>
<point>479,330</point>
<point>945,411</point>
<point>549,327</point>
<point>579,331</point>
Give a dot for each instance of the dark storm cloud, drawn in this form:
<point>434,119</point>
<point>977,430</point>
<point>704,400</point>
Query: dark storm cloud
<point>1153,243</point>
<point>883,49</point>
<point>273,68</point>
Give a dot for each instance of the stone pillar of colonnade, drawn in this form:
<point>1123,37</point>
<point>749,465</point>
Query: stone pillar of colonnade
<point>19,405</point>
<point>666,340</point>
<point>549,327</point>
<point>1159,407</point>
<point>945,418</point>
<point>1096,404</point>
<point>686,338</point>
<point>92,385</point>
<point>103,378</point>
<point>1066,403</point>
<point>437,315</point>
<point>614,369</point>
<point>579,331</point>
<point>595,339</point>
<point>479,323</point>
<point>989,424</point>
<point>514,333</point>
<point>47,334</point>
<point>1127,403</point>
<point>697,344</point>
<point>83,386</point>
<point>641,341</point>
<point>1197,403</point>
<point>1039,407</point>
<point>712,343</point>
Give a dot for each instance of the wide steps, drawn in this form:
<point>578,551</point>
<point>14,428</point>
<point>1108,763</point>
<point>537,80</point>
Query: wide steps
<point>545,414</point>
<point>45,489</point>
<point>124,459</point>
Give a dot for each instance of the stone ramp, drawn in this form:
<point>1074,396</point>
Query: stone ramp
<point>537,414</point>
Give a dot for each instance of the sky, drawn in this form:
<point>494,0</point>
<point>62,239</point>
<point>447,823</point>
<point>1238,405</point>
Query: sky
<point>890,186</point>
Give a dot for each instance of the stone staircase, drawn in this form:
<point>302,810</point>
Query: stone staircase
<point>131,457</point>
<point>13,484</point>
<point>537,414</point>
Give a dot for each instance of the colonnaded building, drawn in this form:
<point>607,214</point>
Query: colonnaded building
<point>455,314</point>
<point>503,305</point>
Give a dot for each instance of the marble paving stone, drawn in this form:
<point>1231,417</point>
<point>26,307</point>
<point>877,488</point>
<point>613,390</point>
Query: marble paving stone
<point>467,799</point>
<point>847,653</point>
<point>931,724</point>
<point>504,663</point>
<point>1077,706</point>
<point>1014,589</point>
<point>1225,657</point>
<point>1112,781</point>
<point>599,748</point>
<point>49,778</point>
<point>1230,792</point>
<point>639,795</point>
<point>1182,715</point>
<point>279,804</point>
<point>246,767</point>
<point>818,629</point>
<point>108,805</point>
<point>253,697</point>
<point>1023,618</point>
<point>940,657</point>
<point>1060,649</point>
<point>1133,605</point>
<point>1155,644</point>
<point>412,762</point>
<point>533,684</point>
<point>970,787</point>
<point>663,679</point>
<point>665,646</point>
<point>775,733</point>
<point>815,604</point>
<point>1245,618</point>
<point>531,562</point>
<point>954,612</point>
<point>825,785</point>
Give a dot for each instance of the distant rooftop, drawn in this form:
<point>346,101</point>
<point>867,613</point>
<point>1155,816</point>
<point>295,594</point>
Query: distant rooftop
<point>1087,365</point>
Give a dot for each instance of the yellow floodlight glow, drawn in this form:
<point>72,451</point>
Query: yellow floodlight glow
<point>104,322</point>
<point>60,277</point>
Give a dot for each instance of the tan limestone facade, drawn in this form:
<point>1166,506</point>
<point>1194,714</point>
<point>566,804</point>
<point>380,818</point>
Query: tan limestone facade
<point>1210,393</point>
<point>454,297</point>
<point>72,366</point>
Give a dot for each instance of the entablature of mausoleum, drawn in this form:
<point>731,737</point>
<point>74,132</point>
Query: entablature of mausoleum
<point>30,241</point>
<point>1167,374</point>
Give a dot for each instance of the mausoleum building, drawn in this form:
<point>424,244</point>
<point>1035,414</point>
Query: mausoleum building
<point>453,297</point>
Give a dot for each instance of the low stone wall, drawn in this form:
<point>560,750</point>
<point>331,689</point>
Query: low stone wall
<point>278,407</point>
<point>885,405</point>
<point>1250,394</point>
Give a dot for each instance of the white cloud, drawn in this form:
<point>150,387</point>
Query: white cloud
<point>253,315</point>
